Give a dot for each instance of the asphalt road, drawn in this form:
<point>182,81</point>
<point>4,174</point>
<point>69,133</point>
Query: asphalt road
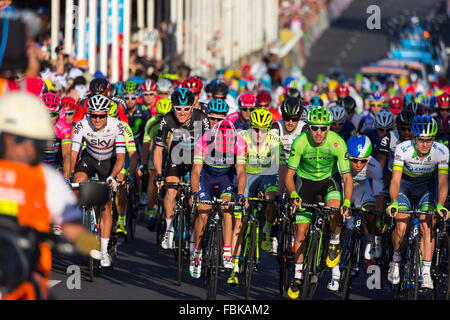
<point>349,44</point>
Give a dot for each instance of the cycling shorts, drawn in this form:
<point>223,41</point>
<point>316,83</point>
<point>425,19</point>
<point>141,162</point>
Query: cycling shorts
<point>424,194</point>
<point>224,184</point>
<point>257,183</point>
<point>91,166</point>
<point>177,170</point>
<point>329,189</point>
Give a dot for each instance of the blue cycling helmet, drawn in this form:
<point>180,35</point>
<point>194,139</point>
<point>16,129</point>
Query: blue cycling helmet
<point>424,126</point>
<point>182,97</point>
<point>359,146</point>
<point>218,106</point>
<point>409,98</point>
<point>316,101</point>
<point>119,88</point>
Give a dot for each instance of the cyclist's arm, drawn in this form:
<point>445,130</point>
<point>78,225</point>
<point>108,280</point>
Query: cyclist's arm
<point>118,166</point>
<point>195,176</point>
<point>348,185</point>
<point>67,161</point>
<point>241,178</point>
<point>157,159</point>
<point>161,142</point>
<point>394,188</point>
<point>289,180</point>
<point>120,150</point>
<point>383,152</point>
<point>133,162</point>
<point>443,175</point>
<point>146,143</point>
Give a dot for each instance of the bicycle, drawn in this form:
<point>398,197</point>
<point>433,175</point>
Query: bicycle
<point>440,267</point>
<point>352,258</point>
<point>213,245</point>
<point>132,208</point>
<point>181,224</point>
<point>160,219</point>
<point>250,254</point>
<point>411,272</point>
<point>286,236</point>
<point>317,250</point>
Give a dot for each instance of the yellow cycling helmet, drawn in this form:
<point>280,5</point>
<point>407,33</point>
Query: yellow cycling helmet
<point>402,81</point>
<point>261,118</point>
<point>333,84</point>
<point>113,109</point>
<point>164,106</point>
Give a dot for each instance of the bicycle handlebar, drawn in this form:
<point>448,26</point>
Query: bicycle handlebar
<point>220,202</point>
<point>320,206</point>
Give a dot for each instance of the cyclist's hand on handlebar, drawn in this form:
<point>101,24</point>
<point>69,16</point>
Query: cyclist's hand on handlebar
<point>345,208</point>
<point>296,199</point>
<point>194,197</point>
<point>392,209</point>
<point>159,180</point>
<point>110,181</point>
<point>442,211</point>
<point>141,170</point>
<point>240,199</point>
<point>121,178</point>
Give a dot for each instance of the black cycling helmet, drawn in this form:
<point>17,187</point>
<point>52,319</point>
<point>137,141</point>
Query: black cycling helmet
<point>292,92</point>
<point>404,118</point>
<point>348,103</point>
<point>220,89</point>
<point>99,86</point>
<point>182,97</point>
<point>291,107</point>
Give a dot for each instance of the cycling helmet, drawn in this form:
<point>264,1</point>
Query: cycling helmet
<point>342,91</point>
<point>348,103</point>
<point>359,146</point>
<point>220,88</point>
<point>224,136</point>
<point>69,104</point>
<point>376,98</point>
<point>424,126</point>
<point>99,86</point>
<point>218,106</point>
<point>427,102</point>
<point>164,86</point>
<point>51,101</point>
<point>164,106</point>
<point>293,92</point>
<point>339,113</point>
<point>119,88</point>
<point>148,86</point>
<point>443,100</point>
<point>247,100</point>
<point>396,102</point>
<point>319,115</point>
<point>404,118</point>
<point>408,98</point>
<point>131,87</point>
<point>416,108</point>
<point>98,103</point>
<point>261,118</point>
<point>446,124</point>
<point>182,97</point>
<point>263,97</point>
<point>291,107</point>
<point>384,120</point>
<point>194,84</point>
<point>316,101</point>
<point>113,109</point>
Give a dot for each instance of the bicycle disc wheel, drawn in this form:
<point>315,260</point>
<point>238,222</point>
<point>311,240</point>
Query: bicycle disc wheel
<point>180,247</point>
<point>250,261</point>
<point>310,267</point>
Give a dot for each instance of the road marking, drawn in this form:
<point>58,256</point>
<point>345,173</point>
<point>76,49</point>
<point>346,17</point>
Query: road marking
<point>52,283</point>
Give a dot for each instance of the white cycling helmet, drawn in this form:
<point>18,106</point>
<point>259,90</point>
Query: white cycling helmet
<point>384,120</point>
<point>164,85</point>
<point>99,103</point>
<point>24,115</point>
<point>339,113</point>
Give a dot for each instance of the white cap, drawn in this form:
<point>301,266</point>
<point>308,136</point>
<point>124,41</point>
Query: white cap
<point>23,114</point>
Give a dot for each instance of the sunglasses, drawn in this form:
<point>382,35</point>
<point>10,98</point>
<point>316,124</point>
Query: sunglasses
<point>404,128</point>
<point>383,130</point>
<point>130,98</point>
<point>54,114</point>
<point>424,141</point>
<point>148,94</point>
<point>246,109</point>
<point>376,104</point>
<point>215,118</point>
<point>359,160</point>
<point>221,98</point>
<point>293,119</point>
<point>316,128</point>
<point>98,116</point>
<point>338,124</point>
<point>186,109</point>
<point>264,105</point>
<point>444,109</point>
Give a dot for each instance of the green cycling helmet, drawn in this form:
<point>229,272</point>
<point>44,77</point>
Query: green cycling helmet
<point>319,115</point>
<point>131,87</point>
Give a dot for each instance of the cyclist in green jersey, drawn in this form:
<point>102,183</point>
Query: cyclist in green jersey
<point>150,132</point>
<point>315,159</point>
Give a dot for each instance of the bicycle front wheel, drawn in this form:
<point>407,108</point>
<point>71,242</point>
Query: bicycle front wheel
<point>214,255</point>
<point>250,260</point>
<point>310,267</point>
<point>348,264</point>
<point>180,244</point>
<point>414,272</point>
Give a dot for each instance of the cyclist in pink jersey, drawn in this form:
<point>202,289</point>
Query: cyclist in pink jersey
<point>241,119</point>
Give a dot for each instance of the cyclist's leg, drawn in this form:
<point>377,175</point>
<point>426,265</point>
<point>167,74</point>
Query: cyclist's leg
<point>173,174</point>
<point>121,203</point>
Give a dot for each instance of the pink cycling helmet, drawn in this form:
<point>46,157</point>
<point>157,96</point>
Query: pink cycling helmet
<point>51,101</point>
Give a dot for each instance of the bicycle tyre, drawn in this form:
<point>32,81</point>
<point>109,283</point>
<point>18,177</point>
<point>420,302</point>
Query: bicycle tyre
<point>308,272</point>
<point>414,273</point>
<point>251,261</point>
<point>180,217</point>
<point>283,248</point>
<point>446,241</point>
<point>346,281</point>
<point>91,263</point>
<point>160,221</point>
<point>212,273</point>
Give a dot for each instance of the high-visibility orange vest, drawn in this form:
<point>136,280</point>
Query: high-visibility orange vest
<point>22,195</point>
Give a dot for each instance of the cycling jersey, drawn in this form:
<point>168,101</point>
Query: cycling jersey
<point>151,129</point>
<point>319,162</point>
<point>184,138</point>
<point>372,134</point>
<point>287,137</point>
<point>414,169</point>
<point>367,122</point>
<point>102,144</point>
<point>63,135</point>
<point>348,129</point>
<point>266,156</point>
<point>217,163</point>
<point>237,122</point>
<point>388,145</point>
<point>138,120</point>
